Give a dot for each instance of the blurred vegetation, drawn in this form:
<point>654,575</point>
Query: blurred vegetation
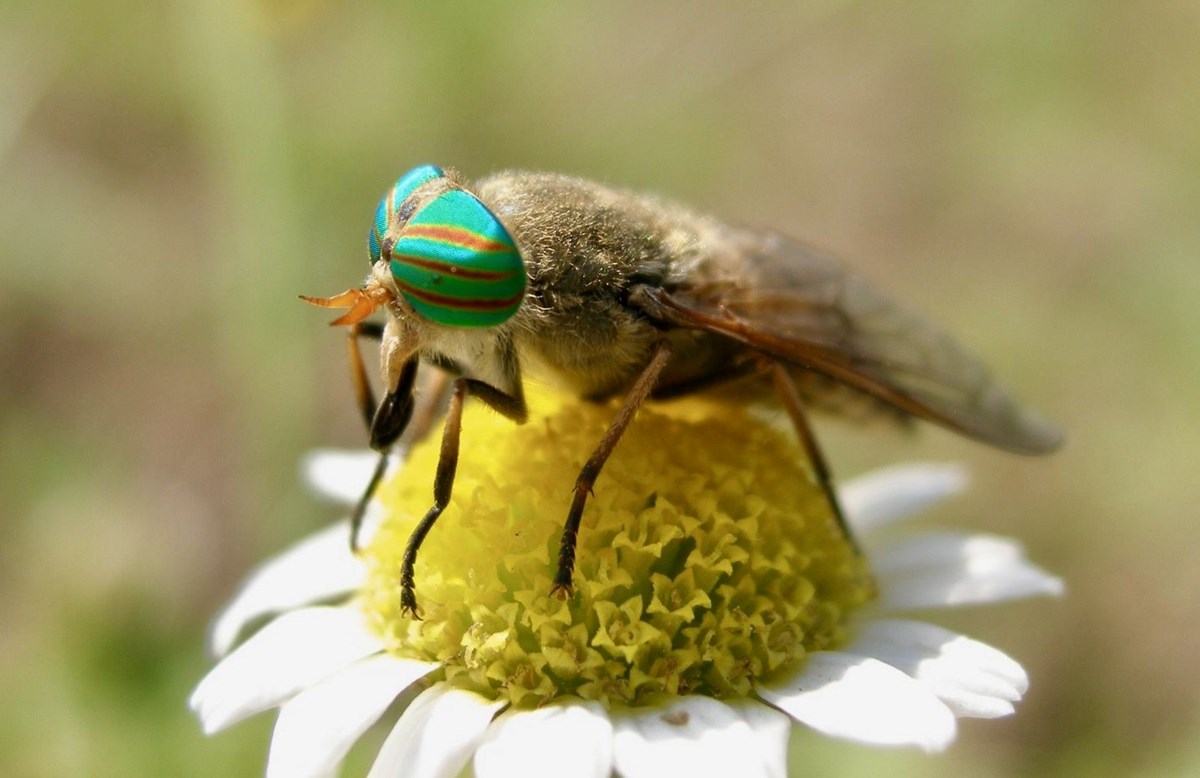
<point>172,175</point>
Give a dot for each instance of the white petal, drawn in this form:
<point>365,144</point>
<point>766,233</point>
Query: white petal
<point>888,495</point>
<point>291,653</point>
<point>317,568</point>
<point>318,726</point>
<point>436,735</point>
<point>972,678</point>
<point>563,740</point>
<point>863,699</point>
<point>700,736</point>
<point>935,569</point>
<point>341,476</point>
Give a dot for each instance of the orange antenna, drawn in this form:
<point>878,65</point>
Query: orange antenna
<point>361,302</point>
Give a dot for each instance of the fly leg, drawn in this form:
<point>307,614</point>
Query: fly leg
<point>789,395</point>
<point>385,421</point>
<point>414,423</point>
<point>363,395</point>
<point>443,484</point>
<point>563,587</point>
<point>365,398</point>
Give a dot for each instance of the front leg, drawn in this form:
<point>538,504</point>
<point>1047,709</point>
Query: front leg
<point>394,417</point>
<point>386,423</point>
<point>512,406</point>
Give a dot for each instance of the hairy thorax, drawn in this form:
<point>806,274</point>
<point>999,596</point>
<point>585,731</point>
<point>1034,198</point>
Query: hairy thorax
<point>585,247</point>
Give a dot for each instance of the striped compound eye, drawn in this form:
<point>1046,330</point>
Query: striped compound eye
<point>391,202</point>
<point>456,265</point>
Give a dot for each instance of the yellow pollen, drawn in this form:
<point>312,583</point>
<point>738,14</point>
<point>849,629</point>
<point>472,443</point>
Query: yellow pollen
<point>708,559</point>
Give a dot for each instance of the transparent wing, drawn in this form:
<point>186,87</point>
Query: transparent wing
<point>805,308</point>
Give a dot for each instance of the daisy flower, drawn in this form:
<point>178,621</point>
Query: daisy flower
<point>717,605</point>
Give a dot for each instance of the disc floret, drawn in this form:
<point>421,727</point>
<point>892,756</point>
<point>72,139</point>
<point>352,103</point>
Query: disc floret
<point>708,559</point>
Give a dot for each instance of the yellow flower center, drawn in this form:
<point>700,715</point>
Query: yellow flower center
<point>708,559</point>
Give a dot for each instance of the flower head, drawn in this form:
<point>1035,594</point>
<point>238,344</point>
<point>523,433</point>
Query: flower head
<point>701,568</point>
<point>716,603</point>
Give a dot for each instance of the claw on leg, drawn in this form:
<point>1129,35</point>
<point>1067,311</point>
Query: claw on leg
<point>408,604</point>
<point>562,591</point>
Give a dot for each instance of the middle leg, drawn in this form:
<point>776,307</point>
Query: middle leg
<point>587,476</point>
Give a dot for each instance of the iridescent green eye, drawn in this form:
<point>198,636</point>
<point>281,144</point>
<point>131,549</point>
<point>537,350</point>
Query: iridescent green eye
<point>405,186</point>
<point>456,265</point>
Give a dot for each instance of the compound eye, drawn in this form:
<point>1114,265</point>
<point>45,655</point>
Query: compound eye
<point>391,202</point>
<point>456,265</point>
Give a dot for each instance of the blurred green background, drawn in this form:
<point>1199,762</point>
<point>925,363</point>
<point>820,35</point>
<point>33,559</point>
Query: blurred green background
<point>173,174</point>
